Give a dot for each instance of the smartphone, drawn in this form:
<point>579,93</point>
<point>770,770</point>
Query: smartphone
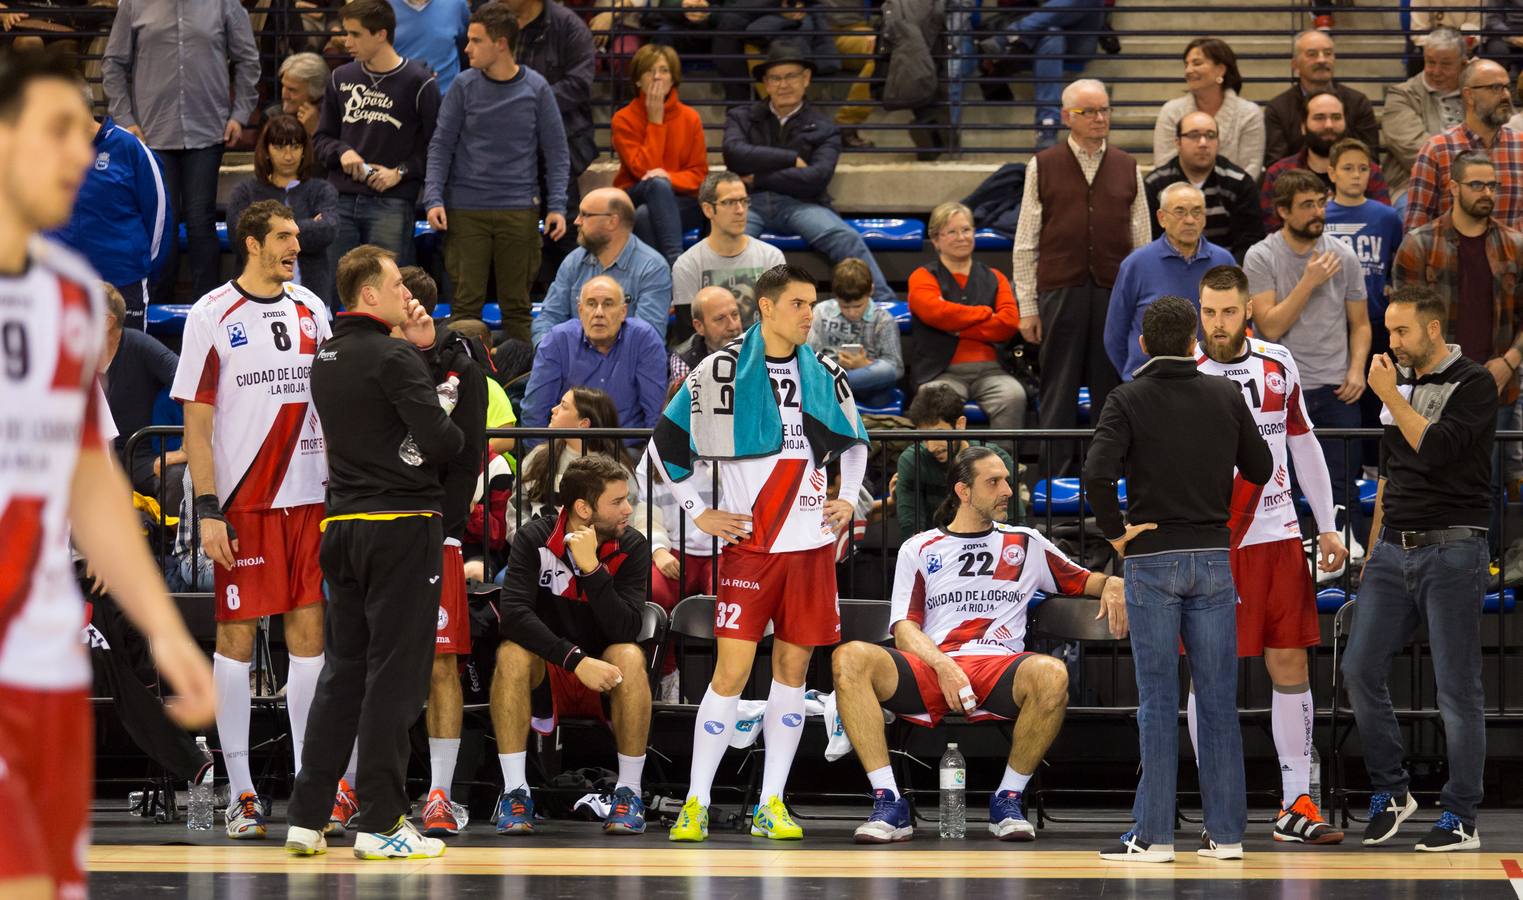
<point>853,349</point>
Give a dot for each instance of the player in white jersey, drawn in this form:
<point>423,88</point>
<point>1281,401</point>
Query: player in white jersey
<point>256,458</point>
<point>777,522</point>
<point>57,479</point>
<point>961,595</point>
<point>1277,602</point>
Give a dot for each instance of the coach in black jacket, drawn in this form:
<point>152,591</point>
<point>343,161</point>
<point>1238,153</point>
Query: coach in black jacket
<point>387,439</point>
<point>1176,435</point>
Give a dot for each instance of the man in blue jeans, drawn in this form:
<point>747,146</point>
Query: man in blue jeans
<point>1060,37</point>
<point>1176,434</point>
<point>1428,564</point>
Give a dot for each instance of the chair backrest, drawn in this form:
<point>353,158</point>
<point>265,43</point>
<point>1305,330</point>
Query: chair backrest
<point>1343,619</point>
<point>864,620</point>
<point>1070,619</point>
<point>200,615</point>
<point>653,624</point>
<point>694,617</point>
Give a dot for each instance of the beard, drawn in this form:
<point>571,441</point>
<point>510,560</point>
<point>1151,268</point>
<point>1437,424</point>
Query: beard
<point>1321,142</point>
<point>1499,114</point>
<point>1310,232</point>
<point>1480,208</point>
<point>593,244</point>
<point>1227,352</point>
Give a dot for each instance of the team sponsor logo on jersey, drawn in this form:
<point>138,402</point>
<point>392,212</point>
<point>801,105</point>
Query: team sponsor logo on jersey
<point>248,561</point>
<point>817,480</point>
<point>102,161</point>
<point>933,563</point>
<point>1002,633</point>
<point>1013,555</point>
<point>1274,381</point>
<point>741,584</point>
<point>1279,476</point>
<point>443,619</point>
<point>308,327</point>
<point>236,335</point>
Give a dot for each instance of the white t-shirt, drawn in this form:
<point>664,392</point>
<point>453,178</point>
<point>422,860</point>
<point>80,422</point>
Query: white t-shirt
<point>699,266</point>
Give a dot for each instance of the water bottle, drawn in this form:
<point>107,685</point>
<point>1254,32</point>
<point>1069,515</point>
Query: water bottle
<point>198,815</point>
<point>1315,788</point>
<point>954,803</point>
<point>449,393</point>
<point>409,451</point>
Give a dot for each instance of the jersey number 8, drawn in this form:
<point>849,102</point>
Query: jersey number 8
<point>233,600</point>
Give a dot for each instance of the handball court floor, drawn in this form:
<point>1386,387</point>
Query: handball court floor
<point>131,858</point>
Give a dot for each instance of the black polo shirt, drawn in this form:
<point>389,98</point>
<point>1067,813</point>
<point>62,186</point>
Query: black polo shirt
<point>1446,481</point>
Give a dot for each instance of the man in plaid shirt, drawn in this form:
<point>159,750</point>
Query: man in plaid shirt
<point>1487,95</point>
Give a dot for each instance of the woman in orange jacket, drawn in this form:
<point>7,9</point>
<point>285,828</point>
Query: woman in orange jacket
<point>662,158</point>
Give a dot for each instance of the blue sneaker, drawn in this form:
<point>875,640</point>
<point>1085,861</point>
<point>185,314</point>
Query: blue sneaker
<point>890,821</point>
<point>627,814</point>
<point>514,813</point>
<point>1007,817</point>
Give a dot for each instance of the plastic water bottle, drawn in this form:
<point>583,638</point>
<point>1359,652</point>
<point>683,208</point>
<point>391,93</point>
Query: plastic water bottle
<point>198,815</point>
<point>1315,787</point>
<point>449,393</point>
<point>954,802</point>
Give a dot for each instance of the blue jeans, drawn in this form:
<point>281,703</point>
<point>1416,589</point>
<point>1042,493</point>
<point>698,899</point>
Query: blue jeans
<point>1442,586</point>
<point>1327,411</point>
<point>871,384</point>
<point>1186,595</point>
<point>820,227</point>
<point>662,214</point>
<point>1055,51</point>
<point>191,179</point>
<point>365,219</point>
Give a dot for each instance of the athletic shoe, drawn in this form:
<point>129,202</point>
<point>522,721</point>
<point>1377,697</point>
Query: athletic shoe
<point>1134,849</point>
<point>772,821</point>
<point>890,821</point>
<point>626,815</point>
<point>441,817</point>
<point>1007,817</point>
<point>515,813</point>
<point>1212,850</point>
<point>402,842</point>
<point>692,823</point>
<point>1386,816</point>
<point>1450,833</point>
<point>245,818</point>
<point>1302,823</point>
<point>345,807</point>
<point>305,842</point>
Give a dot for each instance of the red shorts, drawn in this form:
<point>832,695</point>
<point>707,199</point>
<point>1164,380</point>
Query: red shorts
<point>988,676</point>
<point>47,761</point>
<point>454,633</point>
<point>1277,602</point>
<point>563,694</point>
<point>276,568</point>
<point>794,591</point>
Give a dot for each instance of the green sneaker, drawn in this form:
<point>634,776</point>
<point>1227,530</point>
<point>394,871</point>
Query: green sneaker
<point>773,821</point>
<point>693,824</point>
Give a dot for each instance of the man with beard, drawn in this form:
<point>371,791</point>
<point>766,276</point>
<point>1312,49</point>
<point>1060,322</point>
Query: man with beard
<point>1487,92</point>
<point>1325,126</point>
<point>1312,65</point>
<point>1277,604</point>
<point>1307,291</point>
<point>607,245</point>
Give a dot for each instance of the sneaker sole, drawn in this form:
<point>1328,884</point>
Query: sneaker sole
<point>1221,855</point>
<point>440,831</point>
<point>1018,835</point>
<point>1138,857</point>
<point>1402,815</point>
<point>684,839</point>
<point>1472,844</point>
<point>1331,837</point>
<point>897,836</point>
<point>297,849</point>
<point>361,854</point>
<point>622,829</point>
<point>757,832</point>
<point>247,836</point>
<point>516,830</point>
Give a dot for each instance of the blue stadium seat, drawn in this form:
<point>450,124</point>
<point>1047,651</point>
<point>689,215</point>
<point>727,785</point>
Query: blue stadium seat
<point>1062,494</point>
<point>891,234</point>
<point>895,406</point>
<point>989,239</point>
<point>1367,488</point>
<point>1084,406</point>
<point>167,319</point>
<point>900,310</point>
<point>1329,600</point>
<point>975,413</point>
<point>222,239</point>
<point>491,314</point>
<point>785,242</point>
<point>691,237</point>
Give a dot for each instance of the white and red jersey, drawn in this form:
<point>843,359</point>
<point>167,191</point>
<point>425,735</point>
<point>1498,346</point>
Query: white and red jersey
<point>251,358</point>
<point>1272,389</point>
<point>969,592</point>
<point>52,328</point>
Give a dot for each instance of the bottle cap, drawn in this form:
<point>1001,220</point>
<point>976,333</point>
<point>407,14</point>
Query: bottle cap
<point>952,746</point>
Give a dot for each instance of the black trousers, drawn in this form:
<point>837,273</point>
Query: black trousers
<point>378,633</point>
<point>1072,355</point>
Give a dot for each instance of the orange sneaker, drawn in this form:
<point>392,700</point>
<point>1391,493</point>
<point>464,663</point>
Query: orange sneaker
<point>1303,824</point>
<point>345,807</point>
<point>440,816</point>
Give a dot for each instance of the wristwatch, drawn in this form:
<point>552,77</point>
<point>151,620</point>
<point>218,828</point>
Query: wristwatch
<point>402,170</point>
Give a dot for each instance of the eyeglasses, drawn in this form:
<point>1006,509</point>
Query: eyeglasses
<point>1092,112</point>
<point>734,203</point>
<point>584,214</point>
<point>1195,212</point>
<point>1494,88</point>
<point>956,232</point>
<point>1479,186</point>
<point>783,78</point>
<point>1196,137</point>
<point>595,303</point>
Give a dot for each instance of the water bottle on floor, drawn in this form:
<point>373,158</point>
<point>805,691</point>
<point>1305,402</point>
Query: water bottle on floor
<point>954,804</point>
<point>198,815</point>
<point>1315,789</point>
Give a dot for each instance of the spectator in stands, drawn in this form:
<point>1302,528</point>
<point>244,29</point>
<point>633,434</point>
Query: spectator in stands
<point>803,23</point>
<point>1420,107</point>
<point>1059,36</point>
<point>861,336</point>
<point>716,322</point>
<point>484,187</point>
<point>1325,126</point>
<point>1213,83</point>
<point>1233,220</point>
<point>605,232</point>
<point>1428,16</point>
<point>1307,293</point>
<point>1504,33</point>
<point>963,315</point>
<point>372,139</point>
<point>1074,193</point>
<point>555,42</point>
<point>1372,230</point>
<point>921,480</point>
<point>133,369</point>
<point>431,32</point>
<point>789,169</point>
<point>122,220</point>
<point>1284,116</point>
<point>1172,265</point>
<point>577,409</point>
<point>728,256</point>
<point>1486,90</point>
<point>282,166</point>
<point>855,39</point>
<point>605,349</point>
<point>303,81</point>
<point>662,157</point>
<point>165,73</point>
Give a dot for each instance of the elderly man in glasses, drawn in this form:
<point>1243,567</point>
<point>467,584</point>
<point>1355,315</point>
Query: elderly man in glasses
<point>1487,94</point>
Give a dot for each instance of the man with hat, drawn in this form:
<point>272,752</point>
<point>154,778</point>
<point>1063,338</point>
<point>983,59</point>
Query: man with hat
<point>785,150</point>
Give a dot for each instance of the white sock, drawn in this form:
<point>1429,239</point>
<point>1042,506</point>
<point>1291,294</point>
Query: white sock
<point>630,770</point>
<point>513,777</point>
<point>883,780</point>
<point>1193,728</point>
<point>718,713</point>
<point>1013,780</point>
<point>351,772</point>
<point>301,687</point>
<point>782,726</point>
<point>442,753</point>
<point>1290,717</point>
<point>231,679</point>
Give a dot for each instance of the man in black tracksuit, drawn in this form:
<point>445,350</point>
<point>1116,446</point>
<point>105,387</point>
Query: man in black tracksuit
<point>387,438</point>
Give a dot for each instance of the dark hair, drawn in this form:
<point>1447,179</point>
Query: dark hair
<point>281,131</point>
<point>1430,306</point>
<point>1168,325</point>
<point>373,16</point>
<point>708,192</point>
<point>1293,182</point>
<point>851,279</point>
<point>775,280</point>
<point>19,69</point>
<point>959,472</point>
<point>599,410</point>
<point>1324,92</point>
<point>1225,278</point>
<point>1352,145</point>
<point>587,478</point>
<point>254,222</point>
<point>1217,50</point>
<point>360,267</point>
<point>935,403</point>
<point>498,21</point>
<point>1465,160</point>
<point>422,287</point>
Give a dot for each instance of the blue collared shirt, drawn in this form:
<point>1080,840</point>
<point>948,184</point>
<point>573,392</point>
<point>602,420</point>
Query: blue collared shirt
<point>1151,271</point>
<point>644,274</point>
<point>632,372</point>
